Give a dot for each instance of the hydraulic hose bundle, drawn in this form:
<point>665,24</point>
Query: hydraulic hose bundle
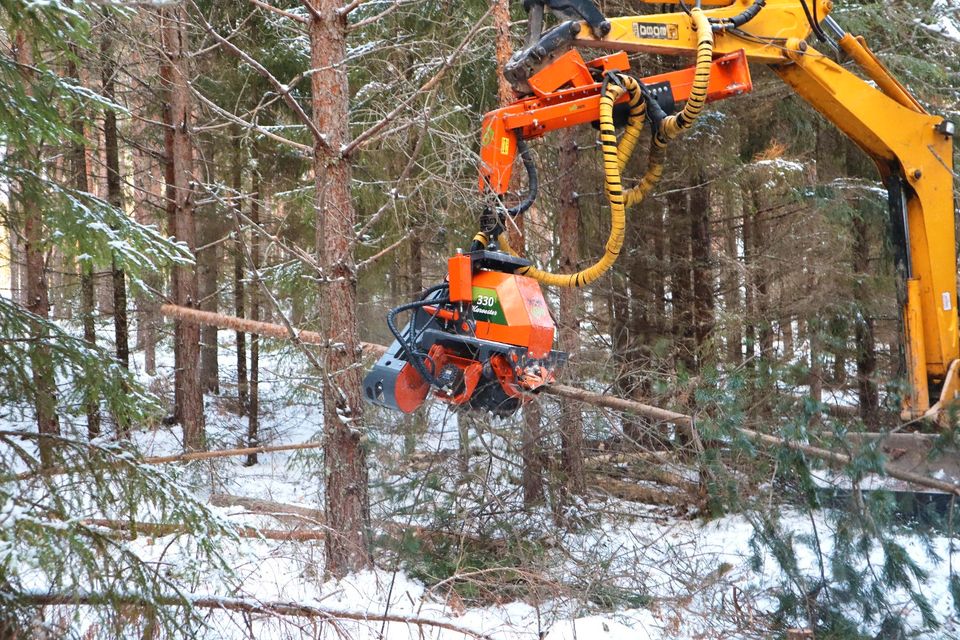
<point>617,154</point>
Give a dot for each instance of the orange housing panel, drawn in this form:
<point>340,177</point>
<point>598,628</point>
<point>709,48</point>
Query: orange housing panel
<point>510,309</point>
<point>460,276</point>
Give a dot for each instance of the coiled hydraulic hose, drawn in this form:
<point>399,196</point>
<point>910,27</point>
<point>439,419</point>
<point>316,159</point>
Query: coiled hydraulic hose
<point>616,155</point>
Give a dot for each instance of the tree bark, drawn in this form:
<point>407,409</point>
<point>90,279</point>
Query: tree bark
<point>678,213</point>
<point>179,150</point>
<point>208,277</point>
<point>733,202</point>
<point>866,351</point>
<point>114,196</point>
<point>239,303</point>
<point>503,48</point>
<point>347,506</point>
<point>253,417</point>
<point>703,270</point>
<point>81,182</point>
<point>571,418</point>
<point>36,295</point>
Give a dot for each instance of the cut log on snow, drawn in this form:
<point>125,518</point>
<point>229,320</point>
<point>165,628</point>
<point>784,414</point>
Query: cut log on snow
<point>242,605</point>
<point>638,492</point>
<point>229,453</point>
<point>573,393</point>
<point>160,529</point>
<point>619,404</point>
<point>840,459</point>
<point>393,529</point>
<point>293,515</point>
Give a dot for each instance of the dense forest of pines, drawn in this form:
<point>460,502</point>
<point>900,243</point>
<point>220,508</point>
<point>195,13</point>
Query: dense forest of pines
<point>311,164</point>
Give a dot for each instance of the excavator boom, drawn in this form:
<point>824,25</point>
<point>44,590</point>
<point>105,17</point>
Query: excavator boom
<point>913,150</point>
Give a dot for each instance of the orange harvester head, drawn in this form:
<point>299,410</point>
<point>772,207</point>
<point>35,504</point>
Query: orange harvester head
<point>482,344</point>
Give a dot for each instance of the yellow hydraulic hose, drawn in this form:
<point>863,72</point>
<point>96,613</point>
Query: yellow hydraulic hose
<point>616,156</point>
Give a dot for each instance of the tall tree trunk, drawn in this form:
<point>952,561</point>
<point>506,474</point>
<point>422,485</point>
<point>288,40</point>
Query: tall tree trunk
<point>146,196</point>
<point>731,284</point>
<point>531,449</point>
<point>503,48</point>
<point>208,276</point>
<point>243,384</point>
<point>762,291</point>
<point>37,297</point>
<point>17,260</point>
<point>571,418</point>
<point>866,350</point>
<point>678,213</point>
<point>347,505</point>
<point>115,197</point>
<point>659,273</point>
<point>179,150</point>
<point>749,296</point>
<point>416,264</point>
<point>864,331</point>
<point>81,183</point>
<point>253,419</point>
<point>703,274</point>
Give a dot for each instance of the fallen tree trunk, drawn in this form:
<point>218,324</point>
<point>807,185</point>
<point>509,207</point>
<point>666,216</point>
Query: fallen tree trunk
<point>573,393</point>
<point>160,529</point>
<point>638,492</point>
<point>252,326</point>
<point>283,512</point>
<point>270,608</point>
<point>228,453</point>
<point>840,459</point>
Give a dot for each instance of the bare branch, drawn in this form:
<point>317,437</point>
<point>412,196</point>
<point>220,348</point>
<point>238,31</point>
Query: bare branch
<point>278,86</point>
<point>279,11</point>
<point>427,86</point>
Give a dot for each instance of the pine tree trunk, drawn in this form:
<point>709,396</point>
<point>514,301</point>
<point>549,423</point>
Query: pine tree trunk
<point>208,280</point>
<point>17,260</point>
<point>703,274</point>
<point>87,312</point>
<point>761,286</point>
<point>416,264</point>
<point>503,48</point>
<point>659,273</point>
<point>867,393</point>
<point>731,283</point>
<point>253,418</point>
<point>347,505</point>
<point>146,177</point>
<point>568,230</point>
<point>175,80</point>
<point>239,304</point>
<point>678,214</point>
<point>81,183</point>
<point>115,197</point>
<point>36,294</point>
<point>749,297</point>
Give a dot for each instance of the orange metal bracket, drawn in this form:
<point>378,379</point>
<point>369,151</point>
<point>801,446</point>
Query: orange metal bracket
<point>553,107</point>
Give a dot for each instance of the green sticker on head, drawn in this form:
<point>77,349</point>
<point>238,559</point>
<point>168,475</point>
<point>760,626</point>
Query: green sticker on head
<point>486,306</point>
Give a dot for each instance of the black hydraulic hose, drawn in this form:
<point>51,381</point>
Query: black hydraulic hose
<point>533,181</point>
<point>412,355</point>
<point>814,25</point>
<point>742,18</point>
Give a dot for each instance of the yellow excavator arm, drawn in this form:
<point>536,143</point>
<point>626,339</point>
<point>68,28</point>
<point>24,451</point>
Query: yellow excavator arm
<point>913,151</point>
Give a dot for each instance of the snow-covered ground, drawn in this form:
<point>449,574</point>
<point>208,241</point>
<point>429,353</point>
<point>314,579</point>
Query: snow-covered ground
<point>624,571</point>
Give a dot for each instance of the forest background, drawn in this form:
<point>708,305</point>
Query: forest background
<point>312,165</point>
